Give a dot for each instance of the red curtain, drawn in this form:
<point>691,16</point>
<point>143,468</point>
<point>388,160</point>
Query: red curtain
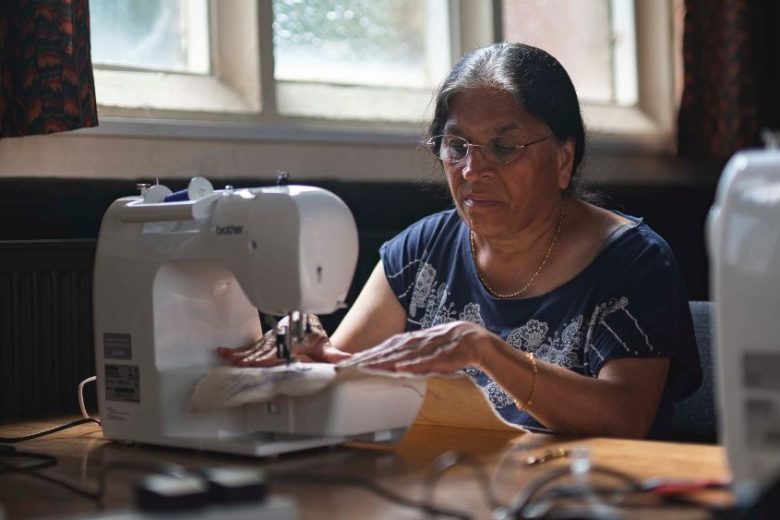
<point>46,82</point>
<point>731,85</point>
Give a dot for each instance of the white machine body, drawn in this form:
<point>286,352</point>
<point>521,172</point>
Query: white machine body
<point>743,232</point>
<point>174,280</point>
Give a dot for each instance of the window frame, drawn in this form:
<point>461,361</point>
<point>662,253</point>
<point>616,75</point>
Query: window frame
<point>231,91</point>
<point>242,103</point>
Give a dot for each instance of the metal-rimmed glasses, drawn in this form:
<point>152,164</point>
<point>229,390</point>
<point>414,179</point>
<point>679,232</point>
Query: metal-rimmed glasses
<point>499,150</point>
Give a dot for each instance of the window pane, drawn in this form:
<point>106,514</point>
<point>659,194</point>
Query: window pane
<point>595,47</point>
<point>165,35</point>
<point>358,42</point>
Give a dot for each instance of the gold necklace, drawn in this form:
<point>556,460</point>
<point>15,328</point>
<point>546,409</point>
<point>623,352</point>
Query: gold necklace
<point>533,276</point>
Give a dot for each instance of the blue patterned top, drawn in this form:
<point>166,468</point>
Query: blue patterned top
<point>630,301</point>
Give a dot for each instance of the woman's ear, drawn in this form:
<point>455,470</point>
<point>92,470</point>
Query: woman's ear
<point>565,163</point>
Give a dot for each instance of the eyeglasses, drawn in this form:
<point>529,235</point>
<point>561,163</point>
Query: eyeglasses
<point>499,150</point>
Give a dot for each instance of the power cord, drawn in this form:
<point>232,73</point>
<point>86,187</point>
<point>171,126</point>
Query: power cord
<point>9,452</point>
<point>87,419</point>
<point>77,422</point>
<point>523,503</point>
<point>45,461</point>
<point>41,461</point>
<point>60,481</point>
<point>532,503</point>
<point>81,396</point>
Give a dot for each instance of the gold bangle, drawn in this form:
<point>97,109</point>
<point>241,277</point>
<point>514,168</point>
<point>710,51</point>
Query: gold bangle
<point>529,401</point>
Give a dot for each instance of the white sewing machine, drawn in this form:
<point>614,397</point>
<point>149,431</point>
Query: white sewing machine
<point>176,278</point>
<point>744,248</point>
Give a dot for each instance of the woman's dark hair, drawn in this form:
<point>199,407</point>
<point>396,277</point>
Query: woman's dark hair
<point>536,80</point>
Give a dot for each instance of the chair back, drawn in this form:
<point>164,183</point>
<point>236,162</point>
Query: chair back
<point>695,418</point>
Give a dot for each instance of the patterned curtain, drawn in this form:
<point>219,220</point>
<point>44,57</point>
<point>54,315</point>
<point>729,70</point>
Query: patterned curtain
<point>46,82</point>
<point>731,85</point>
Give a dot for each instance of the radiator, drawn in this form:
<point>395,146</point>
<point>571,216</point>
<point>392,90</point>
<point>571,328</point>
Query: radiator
<point>46,345</point>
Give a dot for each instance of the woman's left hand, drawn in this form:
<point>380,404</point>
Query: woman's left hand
<point>315,348</point>
<point>440,349</point>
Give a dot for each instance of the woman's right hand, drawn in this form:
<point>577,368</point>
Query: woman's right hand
<point>316,347</point>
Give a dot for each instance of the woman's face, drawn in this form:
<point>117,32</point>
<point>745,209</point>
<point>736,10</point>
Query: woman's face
<point>499,200</point>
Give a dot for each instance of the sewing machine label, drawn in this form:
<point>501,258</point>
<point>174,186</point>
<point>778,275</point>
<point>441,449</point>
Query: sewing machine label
<point>229,230</point>
<point>117,346</point>
<point>123,383</point>
<point>762,387</point>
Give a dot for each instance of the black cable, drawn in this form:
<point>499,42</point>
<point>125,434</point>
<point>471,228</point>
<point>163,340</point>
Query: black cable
<point>9,452</point>
<point>579,491</point>
<point>685,501</point>
<point>92,495</point>
<point>77,422</point>
<point>682,501</point>
<point>524,499</point>
<point>370,485</point>
<point>33,470</point>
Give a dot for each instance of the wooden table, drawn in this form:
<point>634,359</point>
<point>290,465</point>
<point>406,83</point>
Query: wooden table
<point>408,469</point>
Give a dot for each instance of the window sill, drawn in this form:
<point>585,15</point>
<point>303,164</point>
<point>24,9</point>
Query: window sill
<point>145,94</point>
<point>355,103</point>
<point>626,129</point>
<point>283,131</point>
<point>642,140</point>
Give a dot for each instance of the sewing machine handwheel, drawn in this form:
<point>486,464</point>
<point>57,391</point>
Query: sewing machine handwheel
<point>156,194</point>
<point>198,188</point>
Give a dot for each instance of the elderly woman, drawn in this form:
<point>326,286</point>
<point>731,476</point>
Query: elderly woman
<point>570,317</point>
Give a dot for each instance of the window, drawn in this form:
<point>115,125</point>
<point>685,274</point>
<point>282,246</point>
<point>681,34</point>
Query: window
<point>288,66</point>
<point>168,36</point>
<point>602,31</point>
<point>176,59</point>
<point>371,42</point>
<point>625,84</point>
<point>359,59</point>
